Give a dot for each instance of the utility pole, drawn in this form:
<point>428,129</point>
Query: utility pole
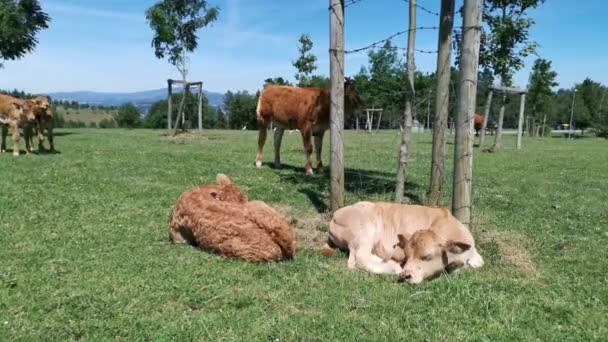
<point>336,121</point>
<point>442,100</point>
<point>463,152</point>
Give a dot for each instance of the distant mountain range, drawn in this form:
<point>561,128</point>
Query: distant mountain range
<point>143,100</point>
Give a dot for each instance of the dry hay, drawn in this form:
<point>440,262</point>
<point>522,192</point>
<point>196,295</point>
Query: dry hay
<point>187,136</point>
<point>311,228</point>
<point>511,245</point>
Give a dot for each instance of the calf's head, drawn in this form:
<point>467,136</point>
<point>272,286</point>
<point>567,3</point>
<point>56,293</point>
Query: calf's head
<point>42,106</point>
<point>425,255</point>
<point>352,99</point>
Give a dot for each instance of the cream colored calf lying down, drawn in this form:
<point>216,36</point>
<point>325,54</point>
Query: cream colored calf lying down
<point>413,241</point>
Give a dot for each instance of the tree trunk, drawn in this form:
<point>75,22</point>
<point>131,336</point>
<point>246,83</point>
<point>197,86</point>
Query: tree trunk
<point>522,104</point>
<point>406,136</point>
<point>463,156</point>
<point>486,116</point>
<point>544,123</point>
<point>336,125</point>
<point>169,105</point>
<point>379,120</point>
<point>501,117</point>
<point>442,101</point>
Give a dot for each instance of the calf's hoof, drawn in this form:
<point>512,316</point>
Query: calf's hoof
<point>309,172</point>
<point>278,165</point>
<point>258,164</point>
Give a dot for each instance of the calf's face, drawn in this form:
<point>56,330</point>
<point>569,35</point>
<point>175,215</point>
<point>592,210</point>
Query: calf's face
<point>426,255</point>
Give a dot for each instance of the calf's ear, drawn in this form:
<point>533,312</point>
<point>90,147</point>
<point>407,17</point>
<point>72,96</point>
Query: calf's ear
<point>457,247</point>
<point>402,241</point>
<point>222,179</point>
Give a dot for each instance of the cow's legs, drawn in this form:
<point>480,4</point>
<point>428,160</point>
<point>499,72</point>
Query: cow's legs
<point>51,142</point>
<point>318,150</point>
<point>41,137</point>
<point>306,135</point>
<point>4,134</point>
<point>15,129</point>
<point>27,130</point>
<point>278,138</point>
<point>263,132</point>
<point>366,260</point>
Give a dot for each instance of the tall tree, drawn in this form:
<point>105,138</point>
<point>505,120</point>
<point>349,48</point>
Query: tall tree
<point>305,64</point>
<point>20,22</point>
<point>175,24</point>
<point>128,117</point>
<point>540,93</point>
<point>505,41</point>
<point>410,96</point>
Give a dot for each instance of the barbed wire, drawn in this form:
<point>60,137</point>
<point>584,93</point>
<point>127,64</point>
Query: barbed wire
<point>347,3</point>
<point>423,9</point>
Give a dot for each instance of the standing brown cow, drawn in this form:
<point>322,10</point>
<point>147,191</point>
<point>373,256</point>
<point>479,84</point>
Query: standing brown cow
<point>15,113</point>
<point>44,121</point>
<point>305,109</point>
<point>477,123</point>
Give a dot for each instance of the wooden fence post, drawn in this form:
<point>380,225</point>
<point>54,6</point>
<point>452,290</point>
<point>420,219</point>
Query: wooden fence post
<point>522,105</point>
<point>463,156</point>
<point>169,104</point>
<point>442,101</point>
<point>336,189</point>
<point>200,107</point>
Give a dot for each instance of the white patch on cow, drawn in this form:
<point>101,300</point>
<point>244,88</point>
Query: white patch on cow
<point>3,121</point>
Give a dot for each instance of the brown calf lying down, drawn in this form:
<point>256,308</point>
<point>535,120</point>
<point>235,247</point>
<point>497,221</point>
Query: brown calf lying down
<point>15,113</point>
<point>413,241</point>
<point>219,218</point>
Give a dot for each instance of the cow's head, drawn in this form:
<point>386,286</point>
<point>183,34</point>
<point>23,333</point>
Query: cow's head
<point>18,108</point>
<point>28,110</point>
<point>226,191</point>
<point>42,106</point>
<point>352,99</point>
<point>425,255</point>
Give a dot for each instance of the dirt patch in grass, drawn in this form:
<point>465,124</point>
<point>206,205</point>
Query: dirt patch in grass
<point>188,136</point>
<point>511,247</point>
<point>311,229</point>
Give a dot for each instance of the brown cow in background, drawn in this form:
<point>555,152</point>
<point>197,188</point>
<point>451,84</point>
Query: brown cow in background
<point>15,113</point>
<point>44,121</point>
<point>478,125</point>
<point>305,109</point>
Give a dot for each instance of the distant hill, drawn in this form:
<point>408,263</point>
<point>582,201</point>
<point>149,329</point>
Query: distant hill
<point>143,99</point>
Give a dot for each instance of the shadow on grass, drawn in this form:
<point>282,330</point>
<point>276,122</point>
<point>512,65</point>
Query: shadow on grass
<point>361,183</point>
<point>34,153</point>
<point>62,134</point>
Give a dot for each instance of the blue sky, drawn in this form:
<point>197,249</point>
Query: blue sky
<point>105,45</point>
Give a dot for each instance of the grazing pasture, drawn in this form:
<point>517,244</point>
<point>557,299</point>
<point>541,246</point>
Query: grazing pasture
<point>85,253</point>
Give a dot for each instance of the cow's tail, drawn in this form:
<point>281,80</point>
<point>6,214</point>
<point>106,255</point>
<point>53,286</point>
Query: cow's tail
<point>258,109</point>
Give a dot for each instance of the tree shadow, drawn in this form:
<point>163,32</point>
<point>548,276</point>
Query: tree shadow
<point>360,183</point>
<point>34,153</point>
<point>62,134</point>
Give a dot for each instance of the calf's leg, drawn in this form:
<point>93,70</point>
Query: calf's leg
<point>4,134</point>
<point>306,135</point>
<point>263,132</point>
<point>15,129</point>
<point>318,150</point>
<point>278,138</point>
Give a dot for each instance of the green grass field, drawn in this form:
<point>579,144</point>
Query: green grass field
<point>85,254</point>
<point>85,115</point>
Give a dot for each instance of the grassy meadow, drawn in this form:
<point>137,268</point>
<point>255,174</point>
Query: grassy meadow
<point>85,254</point>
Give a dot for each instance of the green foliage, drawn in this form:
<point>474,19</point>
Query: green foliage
<point>221,122</point>
<point>241,110</point>
<point>276,81</point>
<point>175,24</point>
<point>128,117</point>
<point>20,22</point>
<point>505,39</point>
<point>107,123</point>
<point>539,102</point>
<point>305,64</point>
